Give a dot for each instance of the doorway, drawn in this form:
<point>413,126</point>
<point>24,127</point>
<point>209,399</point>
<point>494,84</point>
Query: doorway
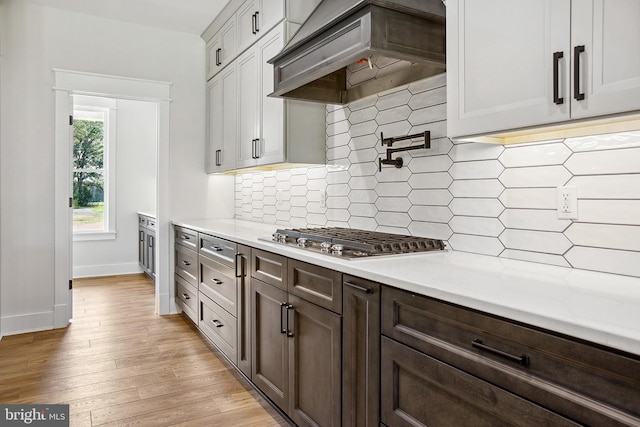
<point>73,83</point>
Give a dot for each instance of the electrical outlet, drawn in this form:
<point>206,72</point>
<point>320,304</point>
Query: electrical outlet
<point>323,198</point>
<point>279,197</point>
<point>567,203</point>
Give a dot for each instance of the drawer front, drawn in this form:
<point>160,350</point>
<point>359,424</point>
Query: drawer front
<point>269,268</point>
<point>218,249</point>
<point>218,282</point>
<point>219,326</point>
<point>187,264</point>
<point>186,237</point>
<point>536,364</point>
<point>318,285</point>
<point>418,390</point>
<point>187,298</point>
<point>151,223</point>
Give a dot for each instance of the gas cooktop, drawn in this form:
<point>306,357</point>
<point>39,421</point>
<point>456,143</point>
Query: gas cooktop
<point>352,243</point>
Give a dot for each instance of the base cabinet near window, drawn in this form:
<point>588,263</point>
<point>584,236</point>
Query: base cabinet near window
<point>444,365</point>
<point>540,63</point>
<point>296,342</point>
<point>147,244</point>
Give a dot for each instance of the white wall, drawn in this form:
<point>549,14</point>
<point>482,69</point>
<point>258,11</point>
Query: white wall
<point>36,40</point>
<point>135,173</point>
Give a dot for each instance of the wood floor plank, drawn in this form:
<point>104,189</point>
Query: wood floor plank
<point>119,363</point>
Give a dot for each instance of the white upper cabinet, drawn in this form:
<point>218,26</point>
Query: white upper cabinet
<point>256,18</point>
<point>609,67</point>
<point>535,63</point>
<point>222,112</point>
<point>222,48</point>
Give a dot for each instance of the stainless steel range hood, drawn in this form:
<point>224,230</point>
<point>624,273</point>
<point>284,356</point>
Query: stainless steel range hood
<point>349,49</point>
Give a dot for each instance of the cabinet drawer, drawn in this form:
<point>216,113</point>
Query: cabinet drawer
<point>142,220</point>
<point>151,223</point>
<point>270,268</point>
<point>318,285</point>
<point>218,282</point>
<point>587,383</point>
<point>218,249</point>
<point>186,237</point>
<point>187,264</point>
<point>219,326</point>
<point>418,390</point>
<point>187,298</point>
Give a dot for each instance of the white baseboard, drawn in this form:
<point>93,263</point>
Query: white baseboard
<point>106,270</point>
<point>13,325</point>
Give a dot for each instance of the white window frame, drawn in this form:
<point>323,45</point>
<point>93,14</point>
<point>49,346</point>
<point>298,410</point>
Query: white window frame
<point>86,107</point>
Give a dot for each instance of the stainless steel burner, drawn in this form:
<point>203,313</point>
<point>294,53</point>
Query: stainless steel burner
<point>354,243</point>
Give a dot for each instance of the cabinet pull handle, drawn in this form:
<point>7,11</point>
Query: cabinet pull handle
<point>218,51</point>
<point>577,50</point>
<point>523,360</point>
<point>186,296</point>
<point>217,323</point>
<point>253,23</point>
<point>282,328</point>
<point>256,148</point>
<point>359,288</point>
<point>257,15</point>
<point>185,237</point>
<point>141,235</point>
<point>216,248</point>
<point>150,241</point>
<point>289,332</point>
<point>186,262</point>
<point>217,281</point>
<point>556,76</point>
<point>218,153</point>
<point>239,263</point>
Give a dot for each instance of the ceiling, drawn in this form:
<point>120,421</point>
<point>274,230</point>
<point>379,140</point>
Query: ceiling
<point>186,16</point>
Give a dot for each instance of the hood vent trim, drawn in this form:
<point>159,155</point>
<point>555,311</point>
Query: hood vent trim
<point>314,68</point>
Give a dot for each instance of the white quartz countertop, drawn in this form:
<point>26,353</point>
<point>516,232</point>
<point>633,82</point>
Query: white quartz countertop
<point>598,307</point>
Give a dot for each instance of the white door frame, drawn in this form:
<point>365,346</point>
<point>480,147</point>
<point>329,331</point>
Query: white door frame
<point>69,83</point>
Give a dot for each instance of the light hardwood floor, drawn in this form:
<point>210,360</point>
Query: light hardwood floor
<point>120,364</point>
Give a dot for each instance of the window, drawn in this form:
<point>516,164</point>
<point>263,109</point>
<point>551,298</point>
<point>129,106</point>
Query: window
<point>93,166</point>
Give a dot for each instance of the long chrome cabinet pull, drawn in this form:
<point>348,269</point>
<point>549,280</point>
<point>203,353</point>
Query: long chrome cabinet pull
<point>556,77</point>
<point>577,50</point>
<point>523,360</point>
<point>218,62</point>
<point>289,308</point>
<point>218,153</point>
<point>282,329</point>
<point>359,288</point>
<point>239,265</point>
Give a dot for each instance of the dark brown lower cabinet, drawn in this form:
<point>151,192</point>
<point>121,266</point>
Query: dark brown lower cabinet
<point>361,353</point>
<point>243,269</point>
<point>296,349</point>
<point>418,390</point>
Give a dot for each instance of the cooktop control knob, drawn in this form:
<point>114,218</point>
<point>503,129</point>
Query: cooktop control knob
<point>337,249</point>
<point>325,246</point>
<point>302,242</point>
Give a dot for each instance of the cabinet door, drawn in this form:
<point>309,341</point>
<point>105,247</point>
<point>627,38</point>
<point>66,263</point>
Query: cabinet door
<point>315,364</point>
<point>500,64</point>
<point>222,120</point>
<point>248,92</point>
<point>361,353</point>
<point>248,24</point>
<point>221,49</point>
<point>272,137</point>
<point>270,13</point>
<point>269,345</point>
<point>609,67</point>
<point>418,390</point>
<point>243,269</point>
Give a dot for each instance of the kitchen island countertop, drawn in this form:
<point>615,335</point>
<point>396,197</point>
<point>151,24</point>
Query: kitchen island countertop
<point>598,307</point>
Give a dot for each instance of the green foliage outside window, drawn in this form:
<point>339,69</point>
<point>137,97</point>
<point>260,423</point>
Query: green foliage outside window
<point>88,162</point>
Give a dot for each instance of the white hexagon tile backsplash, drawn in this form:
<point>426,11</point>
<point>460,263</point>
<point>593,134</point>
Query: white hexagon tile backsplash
<point>482,198</point>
